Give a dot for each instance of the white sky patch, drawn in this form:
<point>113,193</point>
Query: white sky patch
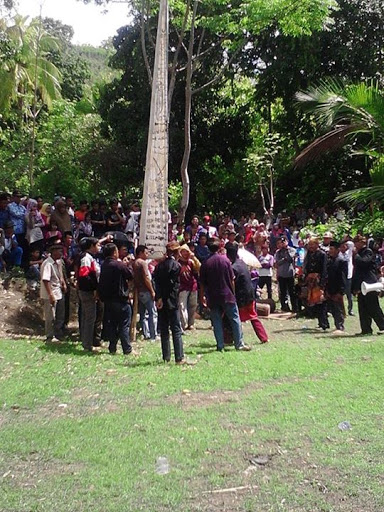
<point>90,25</point>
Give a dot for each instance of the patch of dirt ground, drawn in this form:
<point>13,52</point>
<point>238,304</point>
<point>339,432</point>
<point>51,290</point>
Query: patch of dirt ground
<point>31,470</point>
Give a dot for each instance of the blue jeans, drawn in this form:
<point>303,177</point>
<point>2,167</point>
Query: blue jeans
<point>13,257</point>
<point>232,313</point>
<point>147,307</point>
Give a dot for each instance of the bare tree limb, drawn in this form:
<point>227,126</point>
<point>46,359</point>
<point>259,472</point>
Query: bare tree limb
<point>150,38</point>
<point>200,42</point>
<point>262,197</point>
<point>143,47</point>
<point>187,119</point>
<point>221,72</point>
<point>173,68</point>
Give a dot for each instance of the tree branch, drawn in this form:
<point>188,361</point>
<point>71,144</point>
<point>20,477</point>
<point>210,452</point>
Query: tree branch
<point>143,47</point>
<point>173,68</point>
<point>221,72</point>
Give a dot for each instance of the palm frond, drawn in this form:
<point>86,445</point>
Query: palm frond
<point>331,141</point>
<point>363,195</point>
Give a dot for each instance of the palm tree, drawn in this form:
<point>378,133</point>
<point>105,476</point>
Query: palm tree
<point>28,69</point>
<point>28,80</point>
<point>345,111</point>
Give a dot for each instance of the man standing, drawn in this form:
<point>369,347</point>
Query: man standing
<point>346,252</point>
<point>91,310</point>
<point>337,270</point>
<point>17,215</point>
<point>167,285</point>
<point>365,271</point>
<point>51,291</point>
<point>285,264</point>
<point>245,294</point>
<point>113,291</point>
<point>217,291</point>
<point>145,293</point>
<point>315,273</point>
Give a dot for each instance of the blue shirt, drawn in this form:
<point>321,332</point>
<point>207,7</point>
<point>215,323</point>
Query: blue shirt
<point>17,216</point>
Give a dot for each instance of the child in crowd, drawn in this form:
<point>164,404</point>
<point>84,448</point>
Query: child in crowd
<point>85,227</point>
<point>53,231</point>
<point>13,253</point>
<point>265,272</point>
<point>33,273</point>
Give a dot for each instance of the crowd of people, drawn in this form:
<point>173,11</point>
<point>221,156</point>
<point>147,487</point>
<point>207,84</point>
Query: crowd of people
<point>95,249</point>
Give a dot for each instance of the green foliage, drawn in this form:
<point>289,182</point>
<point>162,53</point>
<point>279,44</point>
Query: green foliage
<point>370,222</point>
<point>175,192</point>
<point>28,65</point>
<point>338,228</point>
<point>96,60</point>
<point>359,107</point>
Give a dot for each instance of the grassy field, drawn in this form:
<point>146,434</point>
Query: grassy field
<point>251,431</point>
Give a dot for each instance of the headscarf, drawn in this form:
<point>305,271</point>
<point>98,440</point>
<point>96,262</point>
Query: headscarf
<point>32,203</point>
<point>43,210</point>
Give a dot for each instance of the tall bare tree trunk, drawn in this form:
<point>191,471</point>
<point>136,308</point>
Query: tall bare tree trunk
<point>34,108</point>
<point>187,122</point>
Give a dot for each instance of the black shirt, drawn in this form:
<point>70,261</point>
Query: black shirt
<point>167,282</point>
<point>244,291</point>
<point>364,269</point>
<point>113,285</point>
<point>337,275</point>
<point>98,229</point>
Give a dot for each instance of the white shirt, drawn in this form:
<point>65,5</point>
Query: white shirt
<point>51,271</point>
<point>348,257</point>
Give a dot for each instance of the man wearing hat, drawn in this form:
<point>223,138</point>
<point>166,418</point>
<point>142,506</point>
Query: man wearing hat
<point>337,269</point>
<point>167,284</point>
<point>52,292</point>
<point>365,271</point>
<point>327,238</point>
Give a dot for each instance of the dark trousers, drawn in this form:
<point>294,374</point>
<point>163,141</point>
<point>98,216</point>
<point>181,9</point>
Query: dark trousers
<point>170,318</point>
<point>322,314</point>
<point>267,281</point>
<point>348,293</point>
<point>98,323</point>
<point>337,311</point>
<point>369,309</point>
<point>287,286</point>
<point>117,321</point>
<point>67,301</point>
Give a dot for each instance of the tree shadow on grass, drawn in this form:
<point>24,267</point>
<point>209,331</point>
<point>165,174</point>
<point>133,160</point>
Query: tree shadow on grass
<point>202,345</point>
